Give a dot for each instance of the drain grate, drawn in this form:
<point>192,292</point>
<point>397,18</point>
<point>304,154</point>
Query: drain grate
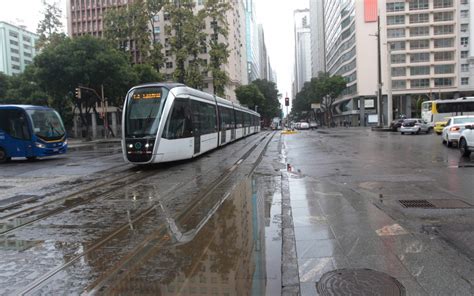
<point>417,203</point>
<point>359,282</point>
<point>435,204</point>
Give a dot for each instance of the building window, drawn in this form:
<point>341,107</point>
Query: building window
<point>444,16</point>
<point>395,20</point>
<point>443,81</point>
<point>442,3</point>
<point>464,13</point>
<point>444,42</point>
<point>15,67</point>
<point>419,18</point>
<point>395,33</point>
<point>27,39</point>
<point>420,44</point>
<point>166,16</point>
<point>168,52</point>
<point>444,56</point>
<point>464,54</point>
<point>397,45</point>
<point>465,80</point>
<point>169,65</point>
<point>156,18</point>
<point>13,34</point>
<point>464,67</point>
<point>419,31</point>
<point>464,28</point>
<point>396,6</point>
<point>419,4</point>
<point>420,83</point>
<point>398,58</point>
<point>157,30</point>
<point>13,42</point>
<point>398,84</point>
<point>464,1</point>
<point>14,50</point>
<point>444,69</point>
<point>420,57</point>
<point>399,71</point>
<point>464,41</point>
<point>443,30</point>
<point>423,70</point>
<point>15,59</point>
<point>27,54</point>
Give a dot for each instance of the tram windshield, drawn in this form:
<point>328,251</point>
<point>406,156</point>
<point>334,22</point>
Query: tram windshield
<point>47,124</point>
<point>144,108</point>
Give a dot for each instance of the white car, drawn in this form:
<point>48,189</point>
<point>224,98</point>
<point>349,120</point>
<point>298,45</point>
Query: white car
<point>304,125</point>
<point>454,128</point>
<point>414,126</point>
<point>466,140</point>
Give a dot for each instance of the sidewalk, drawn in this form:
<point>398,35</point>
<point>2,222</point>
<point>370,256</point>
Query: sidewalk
<point>338,228</point>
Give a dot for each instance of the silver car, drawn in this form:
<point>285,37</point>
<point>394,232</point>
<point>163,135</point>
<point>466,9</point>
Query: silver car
<point>415,126</point>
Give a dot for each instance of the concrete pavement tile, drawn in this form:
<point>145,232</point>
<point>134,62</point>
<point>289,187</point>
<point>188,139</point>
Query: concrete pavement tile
<point>435,275</point>
<point>388,263</point>
<point>318,249</point>
<point>308,220</point>
<point>314,231</point>
<point>312,269</point>
<point>309,203</point>
<point>303,212</point>
<point>351,231</point>
<point>412,287</point>
<point>361,245</point>
<point>308,289</point>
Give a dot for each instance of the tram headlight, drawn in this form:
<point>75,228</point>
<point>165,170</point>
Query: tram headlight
<point>148,145</point>
<point>40,145</point>
<point>130,146</point>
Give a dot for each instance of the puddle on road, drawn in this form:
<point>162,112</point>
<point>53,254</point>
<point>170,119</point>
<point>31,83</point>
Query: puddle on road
<point>220,251</point>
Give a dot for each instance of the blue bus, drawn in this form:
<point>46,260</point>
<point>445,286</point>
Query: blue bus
<point>30,131</point>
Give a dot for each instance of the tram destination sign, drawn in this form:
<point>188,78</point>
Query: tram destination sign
<point>147,95</point>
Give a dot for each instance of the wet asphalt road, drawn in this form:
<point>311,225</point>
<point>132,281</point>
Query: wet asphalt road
<point>236,221</point>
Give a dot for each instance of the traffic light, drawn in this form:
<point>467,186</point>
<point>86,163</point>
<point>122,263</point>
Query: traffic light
<point>78,93</point>
<point>287,101</point>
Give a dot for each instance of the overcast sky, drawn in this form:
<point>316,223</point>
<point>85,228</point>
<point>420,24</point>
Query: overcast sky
<point>275,15</point>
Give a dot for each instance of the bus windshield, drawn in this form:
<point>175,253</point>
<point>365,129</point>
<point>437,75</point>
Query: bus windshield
<point>47,124</point>
<point>144,108</point>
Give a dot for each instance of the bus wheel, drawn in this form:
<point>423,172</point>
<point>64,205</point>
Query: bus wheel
<point>31,158</point>
<point>3,156</point>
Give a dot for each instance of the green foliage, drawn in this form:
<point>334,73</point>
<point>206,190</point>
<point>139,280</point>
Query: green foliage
<point>250,96</point>
<point>49,27</point>
<point>146,74</point>
<point>3,85</point>
<point>323,89</point>
<point>271,106</point>
<point>181,19</point>
<point>219,52</point>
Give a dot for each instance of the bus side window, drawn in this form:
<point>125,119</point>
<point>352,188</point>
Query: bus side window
<point>18,125</point>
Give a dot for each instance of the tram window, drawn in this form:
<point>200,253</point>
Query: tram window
<point>232,117</point>
<point>239,119</point>
<point>196,110</point>
<point>204,118</point>
<point>179,122</point>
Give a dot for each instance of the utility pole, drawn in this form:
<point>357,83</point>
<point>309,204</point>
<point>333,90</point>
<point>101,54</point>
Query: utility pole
<point>389,86</point>
<point>379,82</point>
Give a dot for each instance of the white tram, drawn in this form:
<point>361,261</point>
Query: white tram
<point>167,122</point>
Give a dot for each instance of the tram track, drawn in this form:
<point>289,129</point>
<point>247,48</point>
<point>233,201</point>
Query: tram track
<point>142,249</point>
<point>75,199</point>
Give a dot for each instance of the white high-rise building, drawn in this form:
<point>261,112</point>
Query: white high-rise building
<point>318,61</point>
<point>302,49</point>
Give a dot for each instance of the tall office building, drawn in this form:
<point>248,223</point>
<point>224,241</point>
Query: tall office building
<point>302,49</point>
<point>253,63</point>
<point>85,17</point>
<point>429,48</point>
<point>17,48</point>
<point>318,58</point>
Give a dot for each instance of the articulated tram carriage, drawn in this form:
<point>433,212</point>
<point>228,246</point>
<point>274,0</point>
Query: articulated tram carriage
<point>167,122</point>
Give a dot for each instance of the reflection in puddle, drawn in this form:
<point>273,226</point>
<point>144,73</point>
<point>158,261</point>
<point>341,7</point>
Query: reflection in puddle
<point>219,251</point>
<point>17,245</point>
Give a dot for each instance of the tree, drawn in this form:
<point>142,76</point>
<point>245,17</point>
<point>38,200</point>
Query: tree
<point>49,28</point>
<point>82,61</point>
<point>250,96</point>
<point>146,73</point>
<point>128,28</point>
<point>271,106</point>
<point>180,15</point>
<point>219,52</point>
<point>3,85</point>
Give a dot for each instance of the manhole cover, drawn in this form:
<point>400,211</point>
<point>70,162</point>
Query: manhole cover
<point>359,282</point>
<point>435,204</point>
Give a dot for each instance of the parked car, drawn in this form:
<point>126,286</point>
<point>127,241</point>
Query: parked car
<point>396,124</point>
<point>304,125</point>
<point>466,140</point>
<point>313,124</point>
<point>414,126</point>
<point>439,125</point>
<point>454,127</point>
